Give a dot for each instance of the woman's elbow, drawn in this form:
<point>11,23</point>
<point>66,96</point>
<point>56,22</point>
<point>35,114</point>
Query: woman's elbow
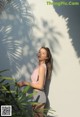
<point>37,86</point>
<point>40,87</point>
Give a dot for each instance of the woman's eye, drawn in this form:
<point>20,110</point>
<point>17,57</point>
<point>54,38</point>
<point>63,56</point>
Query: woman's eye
<point>38,52</point>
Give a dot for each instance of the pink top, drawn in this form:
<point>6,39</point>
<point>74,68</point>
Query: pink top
<point>34,76</point>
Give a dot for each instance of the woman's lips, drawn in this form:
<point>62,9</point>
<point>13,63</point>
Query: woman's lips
<point>39,56</point>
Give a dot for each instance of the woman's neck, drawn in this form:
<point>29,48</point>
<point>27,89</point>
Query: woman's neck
<point>41,62</point>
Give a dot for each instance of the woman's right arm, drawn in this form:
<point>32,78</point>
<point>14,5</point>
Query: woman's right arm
<point>23,83</point>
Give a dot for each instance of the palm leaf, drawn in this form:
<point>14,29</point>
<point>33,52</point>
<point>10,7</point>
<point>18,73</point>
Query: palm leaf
<point>26,89</point>
<point>2,81</point>
<point>7,78</point>
<point>1,71</point>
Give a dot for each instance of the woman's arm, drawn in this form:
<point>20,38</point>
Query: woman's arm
<point>40,83</point>
<point>20,84</point>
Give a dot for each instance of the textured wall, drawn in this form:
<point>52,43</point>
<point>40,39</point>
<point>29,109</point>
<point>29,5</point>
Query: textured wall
<point>24,27</point>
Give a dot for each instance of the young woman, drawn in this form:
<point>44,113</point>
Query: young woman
<point>39,77</point>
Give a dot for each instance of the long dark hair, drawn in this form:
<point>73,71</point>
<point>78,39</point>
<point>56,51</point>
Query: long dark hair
<point>49,63</point>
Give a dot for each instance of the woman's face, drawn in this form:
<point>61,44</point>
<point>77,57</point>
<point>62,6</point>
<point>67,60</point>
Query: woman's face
<point>42,54</point>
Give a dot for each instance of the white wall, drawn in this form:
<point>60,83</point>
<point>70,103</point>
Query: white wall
<point>24,28</point>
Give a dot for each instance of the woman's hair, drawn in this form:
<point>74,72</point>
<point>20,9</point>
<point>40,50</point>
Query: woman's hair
<point>49,62</point>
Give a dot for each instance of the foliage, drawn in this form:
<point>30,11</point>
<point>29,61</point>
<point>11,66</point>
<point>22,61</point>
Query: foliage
<point>11,94</point>
<point>21,104</point>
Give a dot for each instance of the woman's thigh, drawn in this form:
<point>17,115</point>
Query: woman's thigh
<point>38,110</point>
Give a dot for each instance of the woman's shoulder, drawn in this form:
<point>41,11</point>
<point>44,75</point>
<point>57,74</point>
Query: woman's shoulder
<point>43,66</point>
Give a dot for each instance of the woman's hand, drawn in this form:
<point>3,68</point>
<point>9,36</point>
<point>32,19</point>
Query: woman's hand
<point>23,83</point>
<point>20,84</point>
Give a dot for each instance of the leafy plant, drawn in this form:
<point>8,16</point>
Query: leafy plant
<point>11,94</point>
<point>21,104</point>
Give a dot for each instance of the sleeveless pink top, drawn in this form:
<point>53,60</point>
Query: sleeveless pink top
<point>34,76</point>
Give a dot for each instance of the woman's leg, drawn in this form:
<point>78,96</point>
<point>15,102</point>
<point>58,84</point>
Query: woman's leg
<point>40,98</point>
<point>39,110</point>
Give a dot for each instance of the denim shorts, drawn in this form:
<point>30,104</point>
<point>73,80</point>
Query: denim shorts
<point>39,96</point>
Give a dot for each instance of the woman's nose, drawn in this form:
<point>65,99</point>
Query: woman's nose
<point>38,54</point>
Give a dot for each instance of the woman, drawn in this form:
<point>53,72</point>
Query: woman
<point>39,77</point>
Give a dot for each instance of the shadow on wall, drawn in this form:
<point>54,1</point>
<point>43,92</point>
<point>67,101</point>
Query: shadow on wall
<point>18,44</point>
<point>73,15</point>
<point>16,47</point>
<point>49,36</point>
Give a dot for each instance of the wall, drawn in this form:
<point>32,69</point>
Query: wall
<point>24,27</point>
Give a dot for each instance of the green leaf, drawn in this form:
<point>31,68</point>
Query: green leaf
<point>7,78</point>
<point>1,71</point>
<point>26,89</point>
<point>4,88</point>
<point>2,81</point>
<point>1,100</point>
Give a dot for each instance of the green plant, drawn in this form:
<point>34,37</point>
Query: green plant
<point>21,104</point>
<point>11,94</point>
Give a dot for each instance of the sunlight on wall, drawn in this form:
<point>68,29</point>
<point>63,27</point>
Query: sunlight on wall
<point>52,30</point>
<point>24,28</point>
